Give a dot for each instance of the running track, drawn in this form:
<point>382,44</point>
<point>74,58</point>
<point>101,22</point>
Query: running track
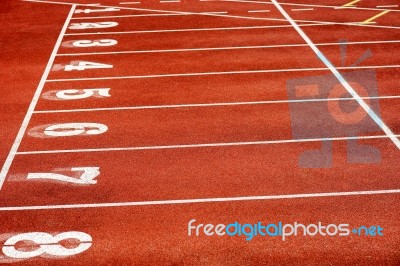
<point>190,118</point>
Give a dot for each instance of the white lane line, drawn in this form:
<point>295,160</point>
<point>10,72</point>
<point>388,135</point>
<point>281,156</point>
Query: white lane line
<point>214,12</point>
<point>302,9</point>
<point>308,23</point>
<point>197,105</point>
<point>387,6</point>
<point>201,145</point>
<point>131,16</point>
<point>252,18</point>
<point>129,3</point>
<point>25,122</point>
<point>49,2</point>
<point>259,11</point>
<point>221,73</point>
<point>340,78</point>
<point>224,48</point>
<point>169,1</point>
<point>293,4</point>
<point>203,200</point>
<point>186,30</point>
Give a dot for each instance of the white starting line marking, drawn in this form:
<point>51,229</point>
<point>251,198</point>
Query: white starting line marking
<point>196,105</point>
<point>204,200</point>
<point>130,16</point>
<point>25,122</point>
<point>129,3</point>
<point>243,17</point>
<point>223,48</point>
<point>201,145</point>
<point>214,12</point>
<point>189,30</point>
<point>221,73</point>
<point>340,78</point>
<point>387,6</point>
<point>302,9</point>
<point>293,4</point>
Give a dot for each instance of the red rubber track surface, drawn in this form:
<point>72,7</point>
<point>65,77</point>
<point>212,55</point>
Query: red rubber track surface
<point>198,120</point>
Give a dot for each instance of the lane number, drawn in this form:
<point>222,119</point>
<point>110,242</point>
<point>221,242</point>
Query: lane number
<point>89,43</point>
<point>48,244</point>
<point>74,129</point>
<point>84,65</point>
<point>92,25</point>
<point>67,130</point>
<point>86,178</point>
<point>76,94</point>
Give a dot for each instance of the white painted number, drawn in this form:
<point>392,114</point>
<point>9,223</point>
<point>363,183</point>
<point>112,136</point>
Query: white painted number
<point>73,129</point>
<point>48,244</point>
<point>81,94</point>
<point>87,11</point>
<point>89,43</point>
<point>83,65</point>
<point>87,177</point>
<point>92,25</point>
<point>76,94</point>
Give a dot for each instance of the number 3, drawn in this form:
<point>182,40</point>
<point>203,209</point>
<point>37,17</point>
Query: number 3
<point>89,43</point>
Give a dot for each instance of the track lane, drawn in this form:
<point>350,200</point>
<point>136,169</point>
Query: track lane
<point>160,235</point>
<point>191,90</point>
<point>189,173</point>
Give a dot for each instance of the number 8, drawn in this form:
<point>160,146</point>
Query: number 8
<point>48,244</point>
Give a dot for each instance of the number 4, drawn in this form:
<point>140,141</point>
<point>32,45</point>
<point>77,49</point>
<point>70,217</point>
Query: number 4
<point>83,65</point>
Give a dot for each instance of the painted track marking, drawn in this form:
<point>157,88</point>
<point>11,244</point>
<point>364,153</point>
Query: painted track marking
<point>204,200</point>
<point>232,16</point>
<point>206,105</point>
<point>371,20</point>
<point>351,4</point>
<point>294,4</point>
<point>340,78</point>
<point>224,48</point>
<point>25,122</point>
<point>202,145</point>
<point>188,30</point>
<point>221,73</point>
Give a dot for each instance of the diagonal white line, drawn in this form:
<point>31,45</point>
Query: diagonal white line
<point>25,122</point>
<point>339,77</point>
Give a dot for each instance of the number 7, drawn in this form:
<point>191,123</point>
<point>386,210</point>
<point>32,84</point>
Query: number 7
<point>86,178</point>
